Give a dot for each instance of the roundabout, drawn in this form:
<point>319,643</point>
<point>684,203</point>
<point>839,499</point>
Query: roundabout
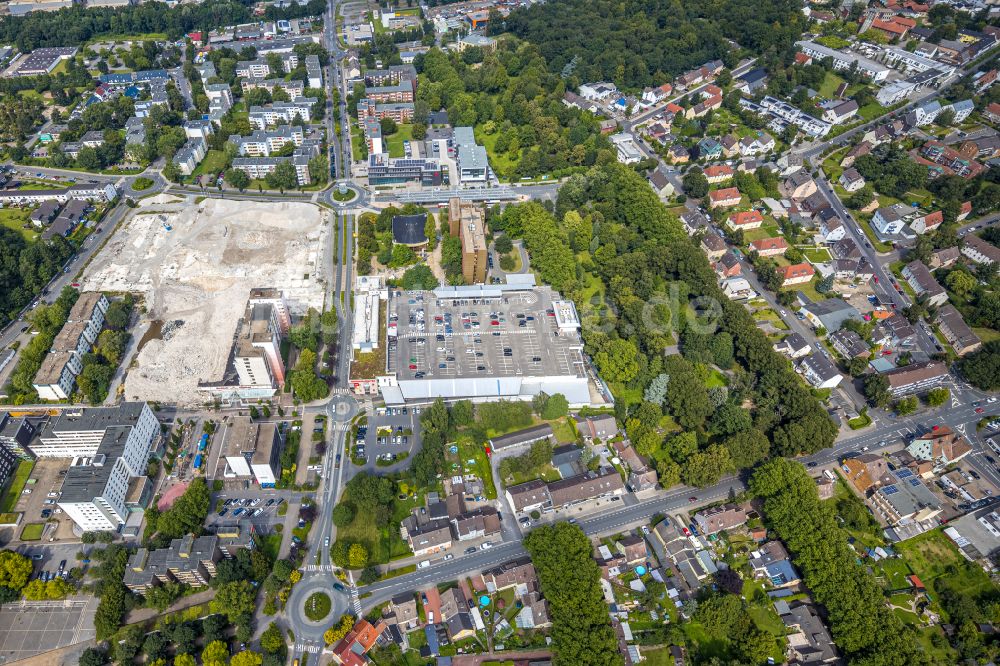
<point>309,597</point>
<point>317,606</point>
<point>342,408</point>
<point>345,193</point>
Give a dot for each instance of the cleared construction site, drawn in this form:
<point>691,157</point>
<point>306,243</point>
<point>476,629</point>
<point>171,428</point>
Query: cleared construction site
<point>193,264</point>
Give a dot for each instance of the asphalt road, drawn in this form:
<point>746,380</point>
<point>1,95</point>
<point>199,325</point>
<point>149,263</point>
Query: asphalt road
<point>883,287</point>
<point>961,416</point>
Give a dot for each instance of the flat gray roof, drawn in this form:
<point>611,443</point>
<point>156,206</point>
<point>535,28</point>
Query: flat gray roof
<point>475,342</point>
<point>85,482</point>
<point>95,418</point>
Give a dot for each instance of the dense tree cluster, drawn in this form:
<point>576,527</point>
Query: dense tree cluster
<point>115,598</point>
<point>863,627</point>
<point>47,320</point>
<point>185,516</point>
<point>76,25</point>
<point>643,42</point>
<point>429,461</point>
<point>581,631</point>
<point>982,369</point>
<point>371,498</point>
<point>660,290</point>
<point>25,268</point>
<point>530,463</point>
<point>513,99</point>
<point>100,363</point>
<point>727,619</point>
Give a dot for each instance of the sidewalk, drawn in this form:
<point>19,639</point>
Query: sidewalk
<point>517,657</point>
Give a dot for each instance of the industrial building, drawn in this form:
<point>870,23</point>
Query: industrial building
<point>107,480</point>
<point>466,220</point>
<point>489,342</point>
<point>41,61</point>
<point>252,451</point>
<point>255,368</point>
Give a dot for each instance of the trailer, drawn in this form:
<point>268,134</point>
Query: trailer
<point>203,443</point>
<point>197,461</point>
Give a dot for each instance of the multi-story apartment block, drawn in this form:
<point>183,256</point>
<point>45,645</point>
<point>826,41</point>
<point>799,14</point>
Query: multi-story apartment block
<point>220,97</point>
<point>260,167</point>
<point>399,92</point>
<point>314,72</point>
<point>401,112</point>
<point>293,88</point>
<point>263,143</point>
<point>57,376</point>
<point>191,560</point>
<point>465,220</point>
<point>100,487</point>
<point>281,113</point>
<point>190,155</point>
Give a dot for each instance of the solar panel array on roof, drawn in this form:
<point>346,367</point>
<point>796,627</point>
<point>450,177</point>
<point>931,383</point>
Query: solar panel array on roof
<point>904,474</point>
<point>890,490</point>
<point>914,482</point>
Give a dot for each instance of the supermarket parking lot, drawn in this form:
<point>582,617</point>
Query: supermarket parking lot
<point>513,335</point>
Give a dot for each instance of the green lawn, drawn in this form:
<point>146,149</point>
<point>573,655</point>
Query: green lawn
<point>469,450</point>
<point>817,255</point>
<point>563,430</point>
<point>383,544</point>
<point>15,219</point>
<point>770,315</point>
<point>214,162</point>
<point>986,334</point>
<point>547,473</point>
<point>809,289</point>
<point>317,606</point>
<point>32,532</point>
<point>830,84</point>
<point>357,141</point>
<point>894,571</point>
<point>17,483</point>
<point>716,380</point>
<point>395,142</point>
<point>502,163</point>
<point>937,562</point>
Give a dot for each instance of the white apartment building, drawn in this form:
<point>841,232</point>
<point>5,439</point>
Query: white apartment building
<point>281,113</point>
<point>79,432</point>
<point>845,60</point>
<point>190,155</point>
<point>314,72</point>
<point>263,143</point>
<point>198,129</point>
<point>220,95</point>
<point>912,62</point>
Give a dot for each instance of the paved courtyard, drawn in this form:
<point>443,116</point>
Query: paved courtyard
<point>31,628</point>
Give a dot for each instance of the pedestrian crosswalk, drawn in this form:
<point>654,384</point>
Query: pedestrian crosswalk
<point>341,391</point>
<point>314,568</point>
<point>307,647</point>
<point>355,601</point>
<point>341,427</point>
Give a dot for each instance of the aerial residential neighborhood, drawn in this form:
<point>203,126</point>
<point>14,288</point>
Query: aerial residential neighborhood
<point>491,333</point>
